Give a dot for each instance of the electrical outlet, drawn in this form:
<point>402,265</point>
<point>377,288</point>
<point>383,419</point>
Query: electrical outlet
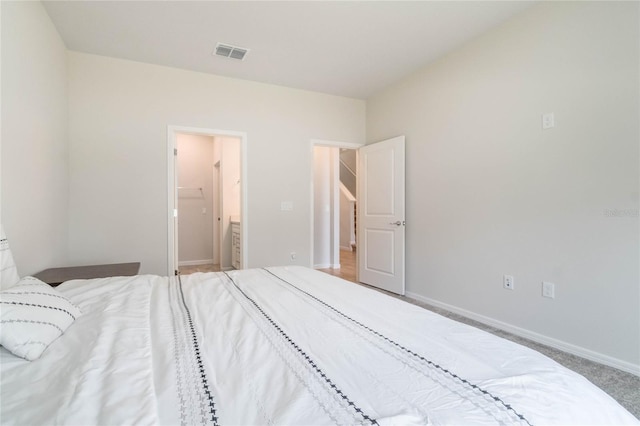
<point>507,282</point>
<point>293,256</point>
<point>548,290</point>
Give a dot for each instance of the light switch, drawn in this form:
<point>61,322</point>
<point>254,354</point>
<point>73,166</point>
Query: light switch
<point>286,206</point>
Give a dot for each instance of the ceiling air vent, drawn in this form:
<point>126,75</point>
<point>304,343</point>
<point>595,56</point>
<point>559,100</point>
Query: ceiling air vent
<point>228,51</point>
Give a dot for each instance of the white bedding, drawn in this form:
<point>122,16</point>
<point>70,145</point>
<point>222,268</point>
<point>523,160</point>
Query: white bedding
<point>282,345</point>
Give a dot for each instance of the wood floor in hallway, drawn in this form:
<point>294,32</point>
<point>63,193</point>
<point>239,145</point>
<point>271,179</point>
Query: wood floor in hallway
<point>347,270</point>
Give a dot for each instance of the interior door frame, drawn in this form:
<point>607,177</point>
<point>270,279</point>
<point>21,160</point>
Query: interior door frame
<point>172,192</point>
<point>333,144</point>
<point>217,210</point>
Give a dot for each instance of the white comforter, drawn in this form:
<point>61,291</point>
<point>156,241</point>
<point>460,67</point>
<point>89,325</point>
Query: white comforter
<point>284,345</point>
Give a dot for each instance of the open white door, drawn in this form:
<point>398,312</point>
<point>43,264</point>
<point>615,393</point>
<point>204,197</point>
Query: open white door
<point>381,221</point>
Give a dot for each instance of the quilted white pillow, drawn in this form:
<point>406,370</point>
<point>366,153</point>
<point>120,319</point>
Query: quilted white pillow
<point>8,272</point>
<point>33,315</point>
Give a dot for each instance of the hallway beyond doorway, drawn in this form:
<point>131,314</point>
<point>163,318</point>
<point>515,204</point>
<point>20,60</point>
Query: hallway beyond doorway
<point>347,270</point>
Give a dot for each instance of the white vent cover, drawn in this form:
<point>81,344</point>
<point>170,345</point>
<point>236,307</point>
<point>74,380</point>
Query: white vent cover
<point>229,51</point>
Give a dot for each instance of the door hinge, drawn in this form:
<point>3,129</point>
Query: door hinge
<point>175,151</point>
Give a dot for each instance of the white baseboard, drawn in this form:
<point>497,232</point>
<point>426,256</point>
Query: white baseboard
<point>536,337</point>
<point>195,262</point>
<point>327,266</point>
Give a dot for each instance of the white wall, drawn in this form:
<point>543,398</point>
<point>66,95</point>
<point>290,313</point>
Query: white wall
<point>326,253</point>
<point>195,226</point>
<point>119,112</point>
<point>34,137</point>
<point>490,193</point>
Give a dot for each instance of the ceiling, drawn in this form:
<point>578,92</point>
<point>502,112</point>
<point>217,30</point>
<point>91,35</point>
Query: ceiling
<point>346,48</point>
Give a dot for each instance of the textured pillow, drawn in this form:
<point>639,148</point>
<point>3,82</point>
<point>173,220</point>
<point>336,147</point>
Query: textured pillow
<point>33,314</point>
<point>8,272</point>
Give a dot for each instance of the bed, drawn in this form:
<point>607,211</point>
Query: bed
<point>281,345</point>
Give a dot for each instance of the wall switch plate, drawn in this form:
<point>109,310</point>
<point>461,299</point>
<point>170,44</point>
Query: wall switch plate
<point>548,121</point>
<point>293,255</point>
<point>286,206</point>
<point>507,282</point>
<point>548,290</point>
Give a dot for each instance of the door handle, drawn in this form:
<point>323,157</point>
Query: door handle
<point>397,223</point>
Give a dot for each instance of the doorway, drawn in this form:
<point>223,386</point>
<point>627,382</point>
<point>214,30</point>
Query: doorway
<point>380,216</point>
<point>207,195</point>
<point>334,208</point>
<point>198,204</point>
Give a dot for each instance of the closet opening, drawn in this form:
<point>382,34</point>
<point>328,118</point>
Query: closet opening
<point>207,224</point>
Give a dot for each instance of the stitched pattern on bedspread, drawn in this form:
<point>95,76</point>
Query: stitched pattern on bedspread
<point>360,415</point>
<point>479,391</point>
<point>196,401</point>
<point>327,402</point>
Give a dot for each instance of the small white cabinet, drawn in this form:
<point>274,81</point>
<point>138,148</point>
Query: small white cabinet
<point>235,245</point>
